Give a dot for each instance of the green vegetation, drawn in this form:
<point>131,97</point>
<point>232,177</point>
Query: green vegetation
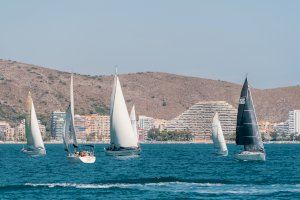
<point>101,110</point>
<point>155,134</point>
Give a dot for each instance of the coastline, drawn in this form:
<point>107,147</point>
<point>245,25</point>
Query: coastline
<point>155,142</point>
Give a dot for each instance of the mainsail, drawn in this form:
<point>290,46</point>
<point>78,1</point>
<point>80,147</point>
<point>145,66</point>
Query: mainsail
<point>133,122</point>
<point>121,131</point>
<point>247,131</point>
<point>32,130</point>
<point>69,133</point>
<point>217,135</point>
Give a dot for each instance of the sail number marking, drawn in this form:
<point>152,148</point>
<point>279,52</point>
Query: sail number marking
<point>242,100</point>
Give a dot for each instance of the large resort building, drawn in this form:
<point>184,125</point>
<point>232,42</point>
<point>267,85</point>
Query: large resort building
<point>294,122</point>
<point>198,119</point>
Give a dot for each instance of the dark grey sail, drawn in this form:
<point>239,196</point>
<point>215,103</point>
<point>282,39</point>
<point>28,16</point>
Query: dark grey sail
<point>247,131</point>
<point>69,133</point>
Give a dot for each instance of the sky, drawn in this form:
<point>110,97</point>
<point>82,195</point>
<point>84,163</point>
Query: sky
<point>222,40</point>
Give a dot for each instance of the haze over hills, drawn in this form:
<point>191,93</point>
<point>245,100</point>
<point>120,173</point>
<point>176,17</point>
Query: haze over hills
<point>155,94</point>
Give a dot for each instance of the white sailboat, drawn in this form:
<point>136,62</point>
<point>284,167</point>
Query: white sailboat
<point>74,153</point>
<point>218,137</point>
<point>133,122</point>
<point>123,140</point>
<point>35,145</point>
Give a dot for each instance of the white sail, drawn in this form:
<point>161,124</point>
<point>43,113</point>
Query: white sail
<point>33,133</point>
<point>133,122</point>
<point>121,131</point>
<point>217,135</point>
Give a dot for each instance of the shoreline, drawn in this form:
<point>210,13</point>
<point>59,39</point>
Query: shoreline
<point>155,142</point>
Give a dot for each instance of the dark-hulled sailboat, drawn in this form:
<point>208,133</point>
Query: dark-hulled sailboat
<point>247,131</point>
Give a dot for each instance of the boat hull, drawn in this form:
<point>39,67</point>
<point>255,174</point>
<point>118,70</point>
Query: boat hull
<point>222,153</point>
<point>84,159</point>
<point>123,152</point>
<point>34,152</point>
<point>251,156</point>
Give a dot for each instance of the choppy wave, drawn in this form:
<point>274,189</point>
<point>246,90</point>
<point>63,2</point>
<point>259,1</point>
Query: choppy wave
<point>170,185</point>
<point>183,187</point>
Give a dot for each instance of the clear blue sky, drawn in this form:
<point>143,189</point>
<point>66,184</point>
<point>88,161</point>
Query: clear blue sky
<point>211,39</point>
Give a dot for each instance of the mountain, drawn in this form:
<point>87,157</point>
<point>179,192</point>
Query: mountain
<point>155,94</point>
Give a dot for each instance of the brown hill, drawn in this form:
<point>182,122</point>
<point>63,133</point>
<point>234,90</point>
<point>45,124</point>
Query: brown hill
<point>159,95</point>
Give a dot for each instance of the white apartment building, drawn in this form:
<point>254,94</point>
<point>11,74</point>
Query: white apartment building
<point>145,123</point>
<point>6,132</point>
<point>20,135</point>
<point>57,125</point>
<point>198,119</point>
<point>294,122</point>
<point>282,127</point>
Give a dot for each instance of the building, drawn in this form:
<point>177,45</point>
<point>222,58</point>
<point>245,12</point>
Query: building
<point>281,131</point>
<point>198,120</point>
<point>92,127</point>
<point>43,130</point>
<point>104,126</point>
<point>97,127</point>
<point>144,125</point>
<point>57,125</point>
<point>10,134</point>
<point>20,134</point>
<point>6,131</point>
<point>160,124</point>
<point>80,127</point>
<point>282,127</point>
<point>20,131</point>
<point>266,129</point>
<point>294,122</point>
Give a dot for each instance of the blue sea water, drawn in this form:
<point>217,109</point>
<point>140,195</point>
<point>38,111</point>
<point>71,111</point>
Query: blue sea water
<point>163,171</point>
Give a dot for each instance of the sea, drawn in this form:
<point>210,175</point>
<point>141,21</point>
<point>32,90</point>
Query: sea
<point>162,171</point>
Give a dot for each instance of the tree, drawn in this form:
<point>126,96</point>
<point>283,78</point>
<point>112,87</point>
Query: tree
<point>156,135</point>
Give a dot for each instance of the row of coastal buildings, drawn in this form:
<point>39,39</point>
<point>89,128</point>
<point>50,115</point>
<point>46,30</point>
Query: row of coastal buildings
<point>196,120</point>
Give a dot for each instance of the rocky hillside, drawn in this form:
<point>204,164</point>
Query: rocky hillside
<point>159,95</point>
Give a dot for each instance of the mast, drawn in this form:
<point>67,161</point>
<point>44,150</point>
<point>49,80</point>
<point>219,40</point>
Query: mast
<point>247,131</point>
<point>112,99</point>
<point>121,131</point>
<point>69,128</point>
<point>72,96</point>
<point>71,117</point>
<point>28,121</point>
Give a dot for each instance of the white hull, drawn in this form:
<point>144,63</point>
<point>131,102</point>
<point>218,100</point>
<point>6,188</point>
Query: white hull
<point>123,152</point>
<point>35,152</point>
<point>222,153</point>
<point>85,159</point>
<point>251,156</point>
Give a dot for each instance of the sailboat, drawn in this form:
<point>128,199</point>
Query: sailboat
<point>123,140</point>
<point>35,145</point>
<point>133,122</point>
<point>247,131</point>
<point>84,154</point>
<point>218,137</point>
